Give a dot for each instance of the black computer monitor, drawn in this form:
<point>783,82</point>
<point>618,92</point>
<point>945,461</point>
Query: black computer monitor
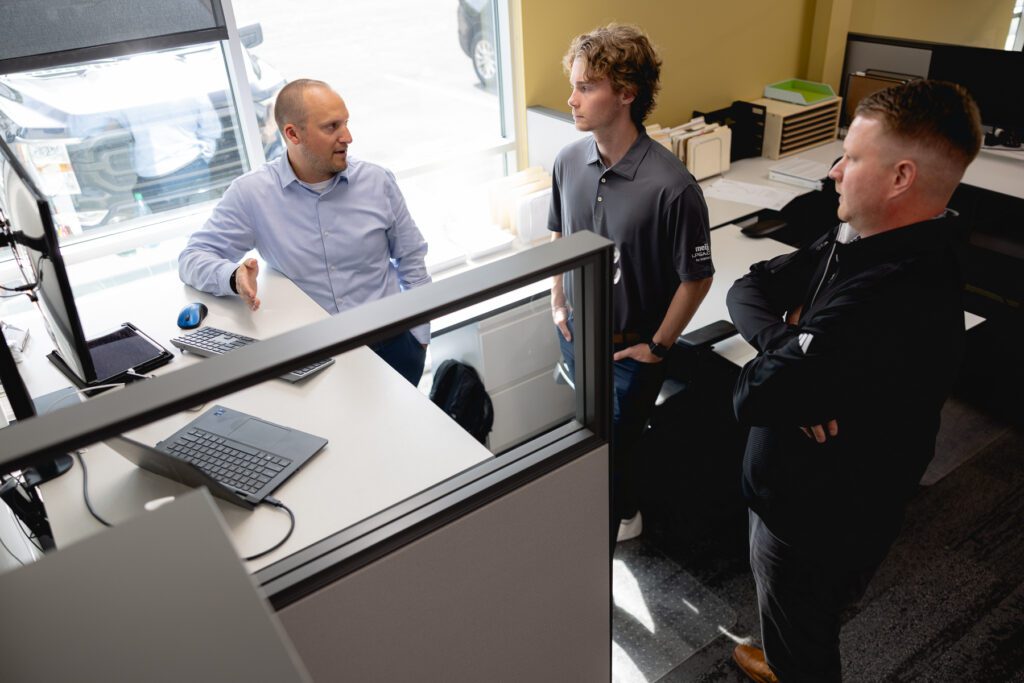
<point>87,362</point>
<point>990,75</point>
<point>36,238</point>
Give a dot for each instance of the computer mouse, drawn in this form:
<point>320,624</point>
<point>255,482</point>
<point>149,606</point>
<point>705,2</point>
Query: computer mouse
<point>192,315</point>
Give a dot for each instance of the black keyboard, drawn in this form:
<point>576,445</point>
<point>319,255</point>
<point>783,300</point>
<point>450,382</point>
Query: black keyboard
<point>210,341</point>
<point>237,465</point>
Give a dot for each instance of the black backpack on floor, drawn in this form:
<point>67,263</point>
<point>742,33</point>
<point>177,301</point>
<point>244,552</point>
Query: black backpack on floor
<point>458,391</point>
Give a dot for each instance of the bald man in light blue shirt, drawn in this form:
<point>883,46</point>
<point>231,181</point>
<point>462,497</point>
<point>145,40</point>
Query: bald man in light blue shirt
<point>338,227</point>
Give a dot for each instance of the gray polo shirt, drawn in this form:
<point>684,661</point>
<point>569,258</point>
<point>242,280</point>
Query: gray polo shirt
<point>654,211</point>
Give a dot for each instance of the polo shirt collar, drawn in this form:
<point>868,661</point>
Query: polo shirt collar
<point>627,165</point>
<point>286,174</point>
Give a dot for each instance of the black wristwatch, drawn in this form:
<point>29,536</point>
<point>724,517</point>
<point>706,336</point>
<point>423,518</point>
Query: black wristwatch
<point>231,282</point>
<point>658,350</point>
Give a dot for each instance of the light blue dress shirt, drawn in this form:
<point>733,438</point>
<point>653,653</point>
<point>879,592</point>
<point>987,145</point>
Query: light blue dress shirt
<point>354,243</point>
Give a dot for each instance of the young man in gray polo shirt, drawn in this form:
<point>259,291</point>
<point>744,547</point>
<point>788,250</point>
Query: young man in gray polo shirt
<point>623,186</point>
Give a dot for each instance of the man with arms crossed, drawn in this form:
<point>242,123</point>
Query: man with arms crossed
<point>623,186</point>
<point>859,340</point>
<point>336,226</point>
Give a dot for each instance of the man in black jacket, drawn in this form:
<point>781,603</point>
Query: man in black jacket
<point>859,340</point>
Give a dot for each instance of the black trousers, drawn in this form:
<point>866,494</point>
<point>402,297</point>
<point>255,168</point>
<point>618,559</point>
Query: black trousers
<point>404,353</point>
<point>801,595</point>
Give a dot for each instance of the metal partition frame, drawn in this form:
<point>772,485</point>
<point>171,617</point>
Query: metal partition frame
<point>589,255</point>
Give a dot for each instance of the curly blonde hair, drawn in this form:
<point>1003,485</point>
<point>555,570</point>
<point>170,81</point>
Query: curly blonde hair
<point>624,54</point>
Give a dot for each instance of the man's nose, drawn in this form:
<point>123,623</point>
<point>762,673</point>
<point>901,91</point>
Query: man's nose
<point>836,171</point>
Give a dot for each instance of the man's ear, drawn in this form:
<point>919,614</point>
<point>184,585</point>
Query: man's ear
<point>904,177</point>
<point>627,95</point>
<point>291,133</point>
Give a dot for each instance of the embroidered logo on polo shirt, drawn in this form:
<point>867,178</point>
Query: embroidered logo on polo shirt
<point>701,253</point>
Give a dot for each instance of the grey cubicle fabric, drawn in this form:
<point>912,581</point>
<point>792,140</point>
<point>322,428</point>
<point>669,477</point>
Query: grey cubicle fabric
<point>160,597</point>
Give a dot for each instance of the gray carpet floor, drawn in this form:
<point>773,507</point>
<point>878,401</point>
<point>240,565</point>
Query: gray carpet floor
<point>947,604</point>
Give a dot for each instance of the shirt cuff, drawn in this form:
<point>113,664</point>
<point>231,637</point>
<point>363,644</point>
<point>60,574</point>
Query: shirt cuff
<point>422,333</point>
<point>224,272</point>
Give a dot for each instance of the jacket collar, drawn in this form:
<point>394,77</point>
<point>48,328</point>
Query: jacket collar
<point>893,245</point>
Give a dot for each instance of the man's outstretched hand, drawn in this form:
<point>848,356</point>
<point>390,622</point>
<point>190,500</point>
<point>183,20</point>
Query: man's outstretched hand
<point>245,282</point>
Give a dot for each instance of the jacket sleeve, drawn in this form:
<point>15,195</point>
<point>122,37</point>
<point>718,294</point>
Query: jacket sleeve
<point>799,376</point>
<point>758,301</point>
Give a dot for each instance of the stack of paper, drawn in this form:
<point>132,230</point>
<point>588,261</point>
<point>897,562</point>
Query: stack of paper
<point>503,194</point>
<point>799,172</point>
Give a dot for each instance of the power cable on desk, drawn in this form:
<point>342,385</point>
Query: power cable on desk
<point>11,552</point>
<point>270,500</point>
<point>85,490</point>
<point>276,503</point>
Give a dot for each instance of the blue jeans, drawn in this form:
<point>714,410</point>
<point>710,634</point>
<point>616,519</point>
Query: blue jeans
<point>636,388</point>
<point>404,353</point>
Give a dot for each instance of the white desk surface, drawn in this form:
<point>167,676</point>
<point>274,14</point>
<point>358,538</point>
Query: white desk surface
<point>733,253</point>
<point>386,440</point>
<point>989,171</point>
<point>755,171</point>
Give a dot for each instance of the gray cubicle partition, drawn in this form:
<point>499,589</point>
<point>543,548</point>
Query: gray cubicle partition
<point>501,572</point>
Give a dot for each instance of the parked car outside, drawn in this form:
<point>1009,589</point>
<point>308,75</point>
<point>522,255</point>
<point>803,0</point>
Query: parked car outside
<point>74,126</point>
<point>476,36</point>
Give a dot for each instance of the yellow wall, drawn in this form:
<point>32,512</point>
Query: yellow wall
<point>713,52</point>
<point>977,23</point>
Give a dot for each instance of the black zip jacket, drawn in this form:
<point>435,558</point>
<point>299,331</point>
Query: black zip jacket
<point>877,348</point>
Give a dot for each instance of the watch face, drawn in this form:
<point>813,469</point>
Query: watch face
<point>658,350</point>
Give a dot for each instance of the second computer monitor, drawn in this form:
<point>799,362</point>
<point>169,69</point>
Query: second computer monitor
<point>30,215</point>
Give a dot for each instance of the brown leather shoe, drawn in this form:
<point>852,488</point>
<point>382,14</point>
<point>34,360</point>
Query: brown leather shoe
<point>751,660</point>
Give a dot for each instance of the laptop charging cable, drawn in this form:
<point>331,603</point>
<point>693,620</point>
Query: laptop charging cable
<point>270,500</point>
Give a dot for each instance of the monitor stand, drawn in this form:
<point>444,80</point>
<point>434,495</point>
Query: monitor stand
<point>25,407</point>
<point>44,472</point>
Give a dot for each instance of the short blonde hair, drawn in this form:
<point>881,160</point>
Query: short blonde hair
<point>624,55</point>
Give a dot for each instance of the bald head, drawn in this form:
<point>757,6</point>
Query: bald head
<point>290,106</point>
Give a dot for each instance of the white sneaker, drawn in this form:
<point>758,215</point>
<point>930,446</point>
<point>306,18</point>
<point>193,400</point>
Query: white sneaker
<point>630,528</point>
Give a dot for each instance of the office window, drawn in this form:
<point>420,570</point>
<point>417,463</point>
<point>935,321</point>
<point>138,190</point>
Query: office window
<point>127,149</point>
<point>1015,38</point>
<point>121,142</point>
<point>420,80</point>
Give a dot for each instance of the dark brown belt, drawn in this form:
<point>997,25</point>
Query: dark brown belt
<point>627,337</point>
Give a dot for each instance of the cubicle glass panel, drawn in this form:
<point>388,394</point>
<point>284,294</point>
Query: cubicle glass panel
<point>512,344</point>
<point>117,143</point>
<point>377,462</point>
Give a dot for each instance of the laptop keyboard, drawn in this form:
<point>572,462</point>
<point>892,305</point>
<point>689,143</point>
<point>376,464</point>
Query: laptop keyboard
<point>229,462</point>
<point>210,341</point>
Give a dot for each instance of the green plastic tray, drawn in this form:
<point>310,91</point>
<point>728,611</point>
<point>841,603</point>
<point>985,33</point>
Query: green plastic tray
<point>799,92</point>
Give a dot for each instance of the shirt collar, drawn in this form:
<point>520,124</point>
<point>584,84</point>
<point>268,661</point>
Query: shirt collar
<point>627,165</point>
<point>286,174</point>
